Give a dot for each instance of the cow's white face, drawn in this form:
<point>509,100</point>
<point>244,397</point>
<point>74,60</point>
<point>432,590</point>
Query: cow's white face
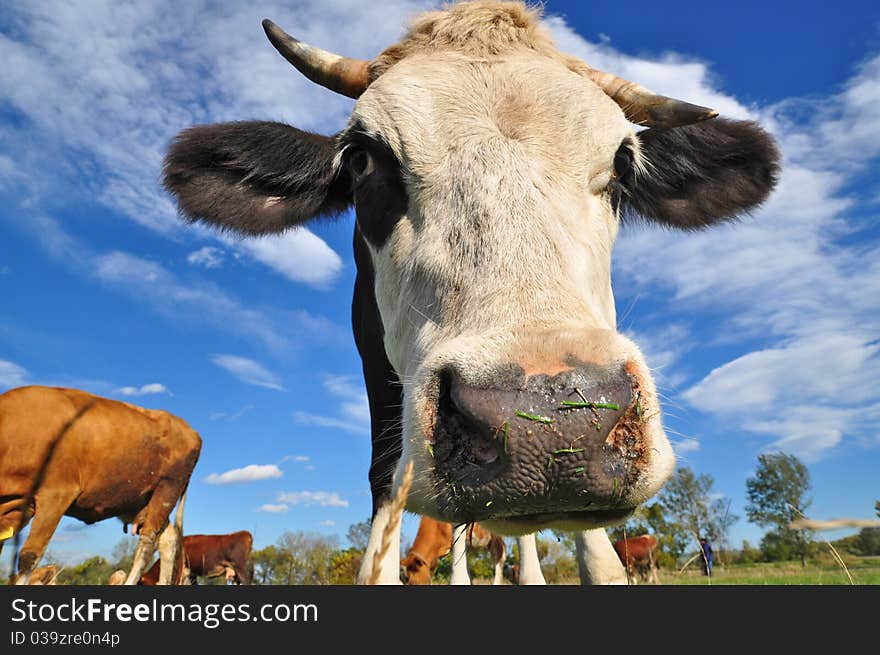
<point>499,257</point>
<point>486,169</point>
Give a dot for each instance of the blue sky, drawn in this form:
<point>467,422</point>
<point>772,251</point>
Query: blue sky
<point>763,336</point>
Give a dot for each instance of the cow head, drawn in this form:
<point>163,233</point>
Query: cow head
<point>489,174</point>
<point>415,570</point>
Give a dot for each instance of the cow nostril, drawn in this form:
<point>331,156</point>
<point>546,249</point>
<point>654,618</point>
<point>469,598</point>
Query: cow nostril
<point>461,435</point>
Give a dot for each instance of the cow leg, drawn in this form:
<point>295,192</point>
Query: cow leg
<point>142,556</point>
<point>171,555</point>
<point>239,574</point>
<point>170,566</point>
<point>598,563</point>
<point>529,563</point>
<point>389,573</point>
<point>164,498</point>
<point>460,575</point>
<point>49,510</point>
<point>499,553</point>
<point>654,577</point>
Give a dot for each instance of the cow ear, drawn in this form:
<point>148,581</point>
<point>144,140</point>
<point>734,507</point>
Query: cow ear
<point>255,177</point>
<point>697,175</point>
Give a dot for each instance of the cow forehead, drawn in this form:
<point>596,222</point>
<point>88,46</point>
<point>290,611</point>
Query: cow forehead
<point>429,106</point>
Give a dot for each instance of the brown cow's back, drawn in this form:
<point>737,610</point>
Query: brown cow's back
<point>69,452</point>
<point>120,480</point>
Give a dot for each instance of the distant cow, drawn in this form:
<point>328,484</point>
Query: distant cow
<point>639,556</point>
<point>68,452</point>
<point>117,577</point>
<point>210,556</point>
<point>434,540</point>
<point>42,575</point>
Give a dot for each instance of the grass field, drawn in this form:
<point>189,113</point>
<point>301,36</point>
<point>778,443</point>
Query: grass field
<point>864,571</point>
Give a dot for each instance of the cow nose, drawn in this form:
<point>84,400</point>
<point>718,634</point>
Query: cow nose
<point>555,439</point>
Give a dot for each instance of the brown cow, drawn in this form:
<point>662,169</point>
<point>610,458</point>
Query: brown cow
<point>68,452</point>
<point>210,556</point>
<point>434,540</point>
<point>42,575</point>
<point>638,555</point>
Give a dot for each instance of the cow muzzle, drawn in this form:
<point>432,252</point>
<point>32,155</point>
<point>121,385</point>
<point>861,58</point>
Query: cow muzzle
<point>540,450</point>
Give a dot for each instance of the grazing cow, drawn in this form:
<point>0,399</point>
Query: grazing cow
<point>434,540</point>
<point>117,577</point>
<point>210,556</point>
<point>639,556</point>
<point>489,174</point>
<point>42,575</point>
<point>68,452</point>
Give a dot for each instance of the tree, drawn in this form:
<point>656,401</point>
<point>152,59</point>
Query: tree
<point>777,496</point>
<point>271,565</point>
<point>344,566</point>
<point>93,571</point>
<point>123,554</point>
<point>688,508</point>
<point>358,535</point>
<point>558,563</point>
<point>310,559</point>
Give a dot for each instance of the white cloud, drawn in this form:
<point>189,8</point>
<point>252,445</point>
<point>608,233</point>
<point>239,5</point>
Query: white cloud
<point>216,416</point>
<point>148,282</point>
<point>320,498</point>
<point>328,523</point>
<point>273,508</point>
<point>249,473</point>
<point>105,136</point>
<point>307,418</point>
<point>297,254</point>
<point>683,446</point>
<point>670,74</point>
<point>663,348</point>
<point>208,256</point>
<point>12,375</point>
<point>806,394</point>
<point>143,390</point>
<point>299,459</point>
<point>351,399</point>
<point>248,371</point>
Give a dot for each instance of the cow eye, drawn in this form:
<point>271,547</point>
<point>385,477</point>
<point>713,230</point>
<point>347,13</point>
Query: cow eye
<point>623,161</point>
<point>360,164</point>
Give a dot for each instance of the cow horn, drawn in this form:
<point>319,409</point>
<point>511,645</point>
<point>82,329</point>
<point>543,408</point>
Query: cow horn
<point>644,107</point>
<point>349,77</point>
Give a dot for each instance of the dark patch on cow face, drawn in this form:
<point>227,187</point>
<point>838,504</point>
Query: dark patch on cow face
<point>255,177</point>
<point>698,175</point>
<point>380,196</point>
<point>384,392</point>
